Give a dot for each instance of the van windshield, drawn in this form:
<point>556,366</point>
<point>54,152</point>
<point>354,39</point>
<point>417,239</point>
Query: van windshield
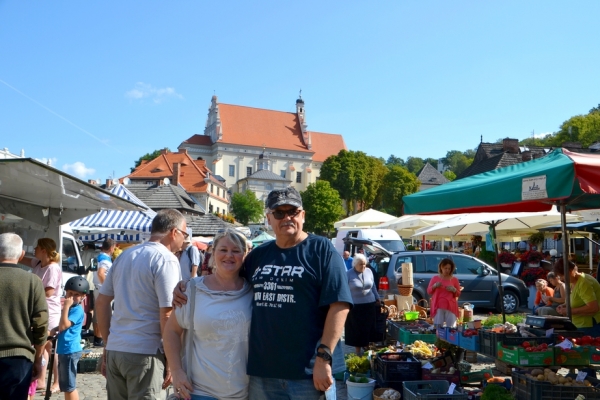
<point>392,245</point>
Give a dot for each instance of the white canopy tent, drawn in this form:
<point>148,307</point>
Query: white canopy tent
<point>365,219</point>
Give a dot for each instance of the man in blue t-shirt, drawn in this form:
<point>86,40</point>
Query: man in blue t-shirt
<point>301,300</point>
<point>347,260</point>
<point>68,347</point>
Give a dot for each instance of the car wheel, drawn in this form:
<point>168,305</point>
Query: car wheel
<point>416,297</point>
<point>511,302</point>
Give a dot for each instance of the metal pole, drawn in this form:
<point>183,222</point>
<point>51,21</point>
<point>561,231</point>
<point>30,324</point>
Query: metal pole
<point>565,248</point>
<point>499,269</point>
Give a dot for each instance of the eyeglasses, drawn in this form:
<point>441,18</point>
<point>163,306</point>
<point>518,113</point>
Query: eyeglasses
<point>184,233</point>
<point>292,213</point>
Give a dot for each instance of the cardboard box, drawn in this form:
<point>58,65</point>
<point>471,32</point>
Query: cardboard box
<point>517,355</point>
<point>575,356</point>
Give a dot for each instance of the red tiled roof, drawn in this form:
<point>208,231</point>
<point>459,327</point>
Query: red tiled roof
<point>325,145</point>
<point>191,172</point>
<point>201,140</point>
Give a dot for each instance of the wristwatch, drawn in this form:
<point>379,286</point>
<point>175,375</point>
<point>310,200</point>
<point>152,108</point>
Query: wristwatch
<point>325,354</point>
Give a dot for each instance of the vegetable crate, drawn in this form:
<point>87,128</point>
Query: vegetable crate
<point>442,375</point>
<point>407,337</point>
<point>469,342</point>
<point>527,388</point>
<point>594,355</point>
<point>391,369</point>
<point>488,342</point>
<point>513,352</point>
<point>574,356</point>
<point>441,333</point>
<point>393,330</point>
<point>87,364</point>
<point>476,377</point>
<point>430,390</point>
<point>452,336</point>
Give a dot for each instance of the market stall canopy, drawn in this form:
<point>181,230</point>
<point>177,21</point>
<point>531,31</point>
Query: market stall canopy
<point>38,192</point>
<point>508,223</point>
<point>118,225</point>
<point>263,237</point>
<point>365,219</point>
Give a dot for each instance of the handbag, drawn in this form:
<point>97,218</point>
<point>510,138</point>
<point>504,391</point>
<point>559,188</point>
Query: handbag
<point>189,343</point>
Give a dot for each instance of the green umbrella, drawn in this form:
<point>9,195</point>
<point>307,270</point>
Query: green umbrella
<point>569,180</point>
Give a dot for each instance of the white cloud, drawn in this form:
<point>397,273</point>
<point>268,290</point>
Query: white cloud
<point>541,135</point>
<point>79,170</point>
<point>157,95</point>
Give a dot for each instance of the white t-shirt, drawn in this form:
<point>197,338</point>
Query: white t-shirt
<point>221,330</point>
<point>141,280</point>
<point>103,262</point>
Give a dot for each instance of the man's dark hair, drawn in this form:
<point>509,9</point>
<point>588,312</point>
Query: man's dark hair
<point>167,220</point>
<point>107,244</point>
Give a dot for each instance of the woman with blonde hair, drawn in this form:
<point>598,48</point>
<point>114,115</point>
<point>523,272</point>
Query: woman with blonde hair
<point>220,327</point>
<point>44,264</point>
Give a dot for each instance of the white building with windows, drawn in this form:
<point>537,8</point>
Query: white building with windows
<point>258,149</point>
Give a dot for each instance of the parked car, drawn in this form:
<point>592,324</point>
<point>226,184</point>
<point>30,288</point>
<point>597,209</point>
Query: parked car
<point>479,280</point>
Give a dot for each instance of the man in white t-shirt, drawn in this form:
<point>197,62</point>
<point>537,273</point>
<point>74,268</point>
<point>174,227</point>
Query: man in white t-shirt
<point>104,260</point>
<point>141,282</point>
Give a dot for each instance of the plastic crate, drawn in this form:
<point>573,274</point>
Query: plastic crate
<point>452,336</point>
<point>579,356</point>
<point>469,342</point>
<point>407,337</point>
<point>526,388</point>
<point>427,375</point>
<point>476,377</point>
<point>391,372</point>
<point>441,333</point>
<point>430,390</point>
<point>488,342</point>
<point>87,365</point>
<point>516,355</point>
<point>393,329</point>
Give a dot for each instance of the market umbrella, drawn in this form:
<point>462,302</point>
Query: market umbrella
<point>365,219</point>
<point>568,180</point>
<point>263,237</point>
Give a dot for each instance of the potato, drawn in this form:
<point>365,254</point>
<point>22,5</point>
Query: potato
<point>541,377</point>
<point>537,371</point>
<point>562,379</point>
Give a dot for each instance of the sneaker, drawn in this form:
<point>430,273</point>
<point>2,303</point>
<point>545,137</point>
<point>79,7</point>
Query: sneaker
<point>98,342</point>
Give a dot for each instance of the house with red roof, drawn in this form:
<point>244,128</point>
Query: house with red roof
<point>259,149</point>
<point>191,174</point>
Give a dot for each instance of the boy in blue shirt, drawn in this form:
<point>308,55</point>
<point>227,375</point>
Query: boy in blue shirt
<point>68,347</point>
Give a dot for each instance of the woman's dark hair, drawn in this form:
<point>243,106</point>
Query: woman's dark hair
<point>444,262</point>
<point>559,267</point>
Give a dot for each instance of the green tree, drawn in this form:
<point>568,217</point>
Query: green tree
<point>432,161</point>
<point>148,156</point>
<point>246,207</point>
<point>393,160</point>
<point>449,175</point>
<point>323,207</point>
<point>458,161</point>
<point>397,183</point>
<point>585,129</point>
<point>414,164</point>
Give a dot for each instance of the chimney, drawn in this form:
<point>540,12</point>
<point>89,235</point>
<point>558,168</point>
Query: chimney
<point>510,145</point>
<point>91,181</point>
<point>164,151</point>
<point>175,174</point>
<point>108,183</point>
<point>526,155</point>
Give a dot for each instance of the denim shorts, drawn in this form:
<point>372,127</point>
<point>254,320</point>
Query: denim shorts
<point>67,371</point>
<point>284,389</point>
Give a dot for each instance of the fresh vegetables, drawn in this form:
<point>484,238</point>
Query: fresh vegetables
<point>356,364</point>
<point>496,392</point>
<point>496,319</point>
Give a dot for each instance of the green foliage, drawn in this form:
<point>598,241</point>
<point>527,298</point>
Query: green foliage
<point>357,364</point>
<point>458,161</point>
<point>449,175</point>
<point>487,256</point>
<point>396,184</point>
<point>494,319</point>
<point>414,164</point>
<point>246,207</point>
<point>584,129</point>
<point>393,160</point>
<point>149,157</point>
<point>323,207</point>
<point>356,176</point>
<point>537,238</point>
<point>496,392</point>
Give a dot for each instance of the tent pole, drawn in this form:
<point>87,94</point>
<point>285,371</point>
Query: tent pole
<point>565,248</point>
<point>499,270</point>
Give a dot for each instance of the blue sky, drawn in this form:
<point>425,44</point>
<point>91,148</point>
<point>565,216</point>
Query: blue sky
<point>95,85</point>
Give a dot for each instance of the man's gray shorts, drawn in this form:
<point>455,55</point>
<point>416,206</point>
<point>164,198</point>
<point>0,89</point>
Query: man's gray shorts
<point>131,376</point>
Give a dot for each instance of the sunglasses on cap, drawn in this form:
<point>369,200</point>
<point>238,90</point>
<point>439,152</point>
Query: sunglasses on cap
<point>281,214</point>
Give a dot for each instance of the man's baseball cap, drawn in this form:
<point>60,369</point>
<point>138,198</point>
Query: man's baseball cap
<point>288,196</point>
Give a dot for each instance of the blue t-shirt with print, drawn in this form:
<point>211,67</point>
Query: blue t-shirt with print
<point>69,340</point>
<point>293,289</point>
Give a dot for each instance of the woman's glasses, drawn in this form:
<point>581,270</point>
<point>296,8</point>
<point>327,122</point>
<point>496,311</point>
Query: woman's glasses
<point>278,214</point>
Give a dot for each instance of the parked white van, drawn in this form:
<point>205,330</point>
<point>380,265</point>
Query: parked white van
<point>387,238</point>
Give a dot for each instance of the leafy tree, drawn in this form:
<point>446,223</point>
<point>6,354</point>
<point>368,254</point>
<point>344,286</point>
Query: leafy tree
<point>246,207</point>
<point>449,175</point>
<point>323,207</point>
<point>457,161</point>
<point>397,183</point>
<point>393,160</point>
<point>584,129</point>
<point>432,161</point>
<point>149,157</point>
<point>595,109</point>
<point>414,164</point>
